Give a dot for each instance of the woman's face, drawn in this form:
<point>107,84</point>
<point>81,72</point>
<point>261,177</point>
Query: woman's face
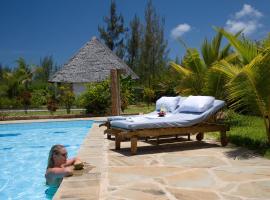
<point>60,157</point>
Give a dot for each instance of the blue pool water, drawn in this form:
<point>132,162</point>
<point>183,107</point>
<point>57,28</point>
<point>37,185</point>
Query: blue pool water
<point>24,150</point>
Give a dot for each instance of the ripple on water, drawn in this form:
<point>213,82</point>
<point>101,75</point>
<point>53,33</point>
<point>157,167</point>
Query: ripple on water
<point>59,132</point>
<point>10,135</point>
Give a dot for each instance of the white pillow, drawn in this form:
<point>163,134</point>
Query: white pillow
<point>196,104</point>
<point>169,103</point>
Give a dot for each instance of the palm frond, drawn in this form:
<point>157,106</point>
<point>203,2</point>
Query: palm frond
<point>245,48</point>
<point>181,69</point>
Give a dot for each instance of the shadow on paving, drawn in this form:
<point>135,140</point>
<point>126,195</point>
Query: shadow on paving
<point>166,146</point>
<point>241,154</point>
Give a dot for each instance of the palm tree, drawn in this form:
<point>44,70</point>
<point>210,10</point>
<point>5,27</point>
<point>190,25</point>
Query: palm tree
<point>247,81</point>
<point>197,78</point>
<point>24,76</point>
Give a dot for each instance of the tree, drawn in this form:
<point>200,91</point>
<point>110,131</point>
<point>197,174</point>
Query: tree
<point>113,34</point>
<point>133,44</point>
<point>43,72</point>
<point>24,76</point>
<point>247,81</point>
<point>1,73</point>
<point>154,48</point>
<point>24,73</point>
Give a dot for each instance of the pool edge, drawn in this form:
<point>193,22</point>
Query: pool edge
<point>90,183</point>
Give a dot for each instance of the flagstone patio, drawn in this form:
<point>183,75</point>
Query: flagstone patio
<point>172,170</point>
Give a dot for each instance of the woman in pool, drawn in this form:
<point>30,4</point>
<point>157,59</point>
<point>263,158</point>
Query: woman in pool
<point>59,166</point>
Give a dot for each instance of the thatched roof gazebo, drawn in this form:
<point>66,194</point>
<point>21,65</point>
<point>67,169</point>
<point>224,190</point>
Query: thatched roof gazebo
<point>92,63</point>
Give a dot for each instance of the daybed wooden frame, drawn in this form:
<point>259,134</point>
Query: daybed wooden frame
<point>211,125</point>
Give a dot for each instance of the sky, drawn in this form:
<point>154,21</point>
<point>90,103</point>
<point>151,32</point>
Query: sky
<point>33,29</point>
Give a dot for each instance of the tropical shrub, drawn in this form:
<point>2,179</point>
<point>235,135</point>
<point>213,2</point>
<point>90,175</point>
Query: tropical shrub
<point>25,99</point>
<point>52,104</point>
<point>127,92</point>
<point>67,97</point>
<point>195,69</point>
<point>52,98</point>
<point>39,97</point>
<point>247,81</point>
<point>148,95</point>
<point>97,98</point>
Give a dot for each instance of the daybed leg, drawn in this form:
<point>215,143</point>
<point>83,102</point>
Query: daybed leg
<point>188,136</point>
<point>133,145</point>
<point>176,136</point>
<point>200,136</point>
<point>223,138</point>
<point>108,136</point>
<point>157,141</point>
<point>117,141</point>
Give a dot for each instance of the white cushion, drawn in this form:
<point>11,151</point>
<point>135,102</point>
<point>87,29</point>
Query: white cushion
<point>169,103</point>
<point>196,104</point>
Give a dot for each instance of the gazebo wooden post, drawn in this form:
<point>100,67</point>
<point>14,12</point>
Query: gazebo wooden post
<point>115,91</point>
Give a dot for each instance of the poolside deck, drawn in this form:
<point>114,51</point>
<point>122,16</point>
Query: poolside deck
<point>186,170</point>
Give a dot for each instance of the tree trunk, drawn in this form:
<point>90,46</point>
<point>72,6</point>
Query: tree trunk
<point>68,110</point>
<point>25,109</point>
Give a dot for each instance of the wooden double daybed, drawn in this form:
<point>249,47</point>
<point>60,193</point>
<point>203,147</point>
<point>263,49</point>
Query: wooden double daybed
<point>211,123</point>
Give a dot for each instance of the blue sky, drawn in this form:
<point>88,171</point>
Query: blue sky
<point>33,29</point>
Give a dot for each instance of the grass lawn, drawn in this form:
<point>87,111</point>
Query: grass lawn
<point>140,108</point>
<point>40,113</point>
<point>248,131</point>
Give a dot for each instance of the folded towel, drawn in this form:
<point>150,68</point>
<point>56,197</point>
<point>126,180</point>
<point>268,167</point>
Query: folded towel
<point>158,117</point>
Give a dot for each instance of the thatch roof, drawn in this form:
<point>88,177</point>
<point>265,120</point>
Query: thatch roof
<point>92,63</point>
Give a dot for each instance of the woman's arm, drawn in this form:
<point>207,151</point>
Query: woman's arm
<point>71,162</point>
<point>58,172</point>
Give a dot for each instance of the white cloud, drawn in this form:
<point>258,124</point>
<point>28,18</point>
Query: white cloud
<point>248,10</point>
<point>180,30</point>
<point>247,19</point>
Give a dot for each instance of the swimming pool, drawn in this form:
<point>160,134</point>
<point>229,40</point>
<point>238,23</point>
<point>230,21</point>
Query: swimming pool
<point>24,150</point>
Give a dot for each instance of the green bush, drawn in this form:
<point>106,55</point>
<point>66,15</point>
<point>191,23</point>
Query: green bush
<point>52,104</point>
<point>67,97</point>
<point>39,98</point>
<point>6,103</point>
<point>127,92</point>
<point>97,98</point>
<point>148,95</point>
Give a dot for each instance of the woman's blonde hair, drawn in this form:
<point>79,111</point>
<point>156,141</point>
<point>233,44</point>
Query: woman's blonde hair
<point>54,150</point>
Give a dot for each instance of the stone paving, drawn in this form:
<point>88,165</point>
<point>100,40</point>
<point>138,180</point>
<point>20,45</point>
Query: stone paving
<point>172,170</point>
<point>186,170</point>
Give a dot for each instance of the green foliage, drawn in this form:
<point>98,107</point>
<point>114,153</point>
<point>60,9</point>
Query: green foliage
<point>127,91</point>
<point>139,108</point>
<point>247,131</point>
<point>67,97</point>
<point>167,84</point>
<point>153,48</point>
<point>52,104</point>
<point>113,34</point>
<point>45,70</point>
<point>247,81</point>
<point>148,95</point>
<point>52,98</point>
<point>134,44</point>
<point>266,42</point>
<point>39,97</point>
<point>25,99</point>
<point>197,77</point>
<point>97,98</point>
